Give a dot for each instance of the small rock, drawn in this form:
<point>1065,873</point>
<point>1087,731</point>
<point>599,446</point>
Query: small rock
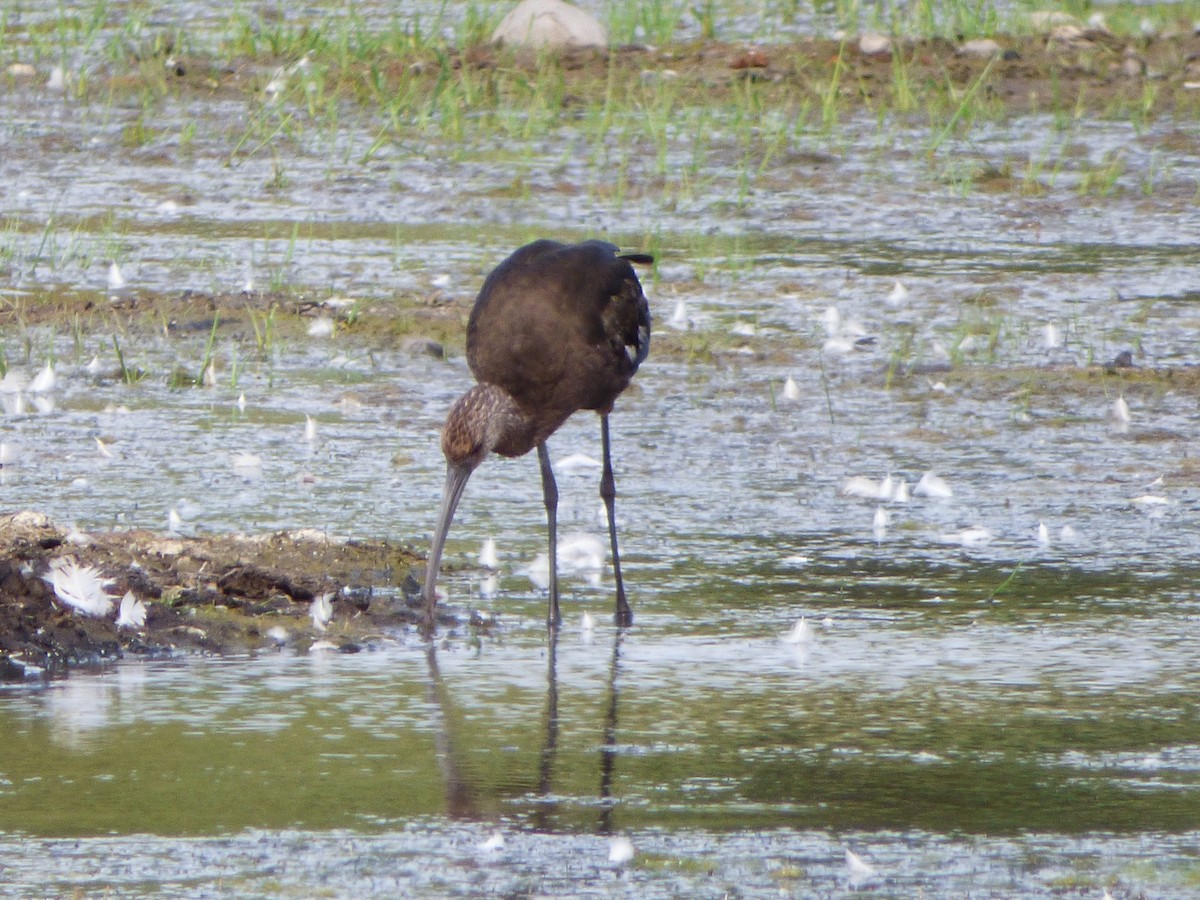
<point>1123,360</point>
<point>552,24</point>
<point>1132,67</point>
<point>1068,34</point>
<point>980,48</point>
<point>1047,20</point>
<point>423,346</point>
<point>873,44</point>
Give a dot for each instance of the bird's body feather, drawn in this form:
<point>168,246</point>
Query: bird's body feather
<point>556,328</point>
<point>559,328</point>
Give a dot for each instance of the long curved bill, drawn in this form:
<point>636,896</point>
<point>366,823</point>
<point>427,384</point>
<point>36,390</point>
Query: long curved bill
<point>456,480</point>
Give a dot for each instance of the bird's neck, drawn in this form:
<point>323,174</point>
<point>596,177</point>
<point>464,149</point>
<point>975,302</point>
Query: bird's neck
<point>486,419</point>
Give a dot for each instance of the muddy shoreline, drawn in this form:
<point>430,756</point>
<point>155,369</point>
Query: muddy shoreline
<point>209,595</point>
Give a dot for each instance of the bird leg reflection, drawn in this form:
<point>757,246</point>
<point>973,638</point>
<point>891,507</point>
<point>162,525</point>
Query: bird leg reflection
<point>608,746</point>
<point>550,748</point>
<point>608,493</point>
<point>550,496</point>
<point>461,801</point>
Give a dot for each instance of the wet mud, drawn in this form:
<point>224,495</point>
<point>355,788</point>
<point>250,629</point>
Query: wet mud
<point>216,595</point>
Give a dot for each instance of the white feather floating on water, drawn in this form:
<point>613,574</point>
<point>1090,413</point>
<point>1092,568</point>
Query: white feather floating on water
<point>837,346</point>
<point>620,850</point>
<point>831,320</point>
<point>13,382</point>
<point>974,536</point>
<point>933,486</point>
<point>578,554</point>
<point>82,588</point>
<point>322,326</point>
<point>495,842</point>
<point>487,554</point>
<point>859,486</point>
<point>857,868</point>
<point>800,633</point>
<point>898,295</point>
<point>888,490</point>
<point>679,317</point>
<point>1043,535</point>
<point>1150,503</point>
<point>1121,414</point>
<point>44,381</point>
<point>246,464</point>
<point>1051,337</point>
<point>310,429</point>
<point>538,572</point>
<point>791,390</point>
<point>576,462</point>
<point>116,280</point>
<point>132,612</point>
<point>57,81</point>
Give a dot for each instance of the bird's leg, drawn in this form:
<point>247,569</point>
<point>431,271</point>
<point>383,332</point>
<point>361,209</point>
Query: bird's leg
<point>608,492</point>
<point>550,495</point>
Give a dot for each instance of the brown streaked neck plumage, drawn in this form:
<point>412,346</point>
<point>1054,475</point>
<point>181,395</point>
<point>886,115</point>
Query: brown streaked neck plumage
<point>484,420</point>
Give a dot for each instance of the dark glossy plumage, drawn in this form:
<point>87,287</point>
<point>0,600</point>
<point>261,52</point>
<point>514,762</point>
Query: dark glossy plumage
<point>556,328</point>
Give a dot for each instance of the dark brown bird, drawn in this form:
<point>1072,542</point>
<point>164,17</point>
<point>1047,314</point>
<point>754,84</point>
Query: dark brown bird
<point>556,328</point>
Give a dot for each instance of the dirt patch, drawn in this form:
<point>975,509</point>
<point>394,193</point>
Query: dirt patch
<point>226,594</point>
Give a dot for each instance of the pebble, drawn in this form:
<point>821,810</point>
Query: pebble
<point>982,48</point>
<point>873,44</point>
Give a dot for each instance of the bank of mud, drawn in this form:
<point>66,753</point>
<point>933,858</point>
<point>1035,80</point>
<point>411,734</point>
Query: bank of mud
<point>217,594</point>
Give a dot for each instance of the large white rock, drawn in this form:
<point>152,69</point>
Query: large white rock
<point>550,23</point>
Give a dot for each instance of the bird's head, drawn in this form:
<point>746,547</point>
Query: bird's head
<point>478,422</point>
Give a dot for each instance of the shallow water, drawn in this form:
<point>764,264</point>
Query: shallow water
<point>994,718</point>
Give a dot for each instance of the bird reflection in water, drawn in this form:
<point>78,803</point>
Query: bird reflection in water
<point>463,797</point>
